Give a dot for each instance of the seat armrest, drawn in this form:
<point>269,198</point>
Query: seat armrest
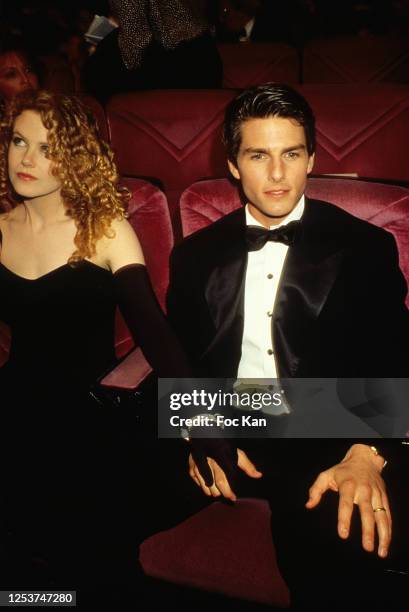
<point>129,373</point>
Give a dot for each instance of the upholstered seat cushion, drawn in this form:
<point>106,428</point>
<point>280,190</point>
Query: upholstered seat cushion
<point>225,549</point>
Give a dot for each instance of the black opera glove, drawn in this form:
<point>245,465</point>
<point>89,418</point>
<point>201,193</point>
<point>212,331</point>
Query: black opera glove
<point>147,322</point>
<point>223,451</point>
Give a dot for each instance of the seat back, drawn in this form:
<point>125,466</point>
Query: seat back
<point>249,64</point>
<point>149,216</point>
<point>361,131</point>
<point>386,206</point>
<point>357,59</point>
<point>172,137</point>
<point>99,114</point>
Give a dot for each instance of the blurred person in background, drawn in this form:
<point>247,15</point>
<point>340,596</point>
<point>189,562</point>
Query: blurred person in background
<point>159,45</point>
<point>18,70</point>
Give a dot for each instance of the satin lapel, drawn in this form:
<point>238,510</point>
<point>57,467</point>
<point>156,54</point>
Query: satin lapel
<point>309,273</point>
<point>225,285</point>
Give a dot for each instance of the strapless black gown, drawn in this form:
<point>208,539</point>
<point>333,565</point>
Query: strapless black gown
<point>68,466</point>
<point>62,328</point>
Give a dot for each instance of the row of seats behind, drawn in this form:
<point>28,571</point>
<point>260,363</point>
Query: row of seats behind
<point>350,59</point>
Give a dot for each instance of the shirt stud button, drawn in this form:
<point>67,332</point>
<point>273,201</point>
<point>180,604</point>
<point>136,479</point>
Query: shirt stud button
<point>269,276</point>
<point>269,313</point>
<point>270,351</point>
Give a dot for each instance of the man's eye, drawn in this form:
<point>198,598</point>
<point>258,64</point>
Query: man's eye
<point>293,155</point>
<point>257,156</point>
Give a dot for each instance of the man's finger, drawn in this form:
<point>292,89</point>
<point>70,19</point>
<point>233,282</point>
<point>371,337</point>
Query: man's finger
<point>345,508</point>
<point>368,524</point>
<point>246,465</point>
<point>198,478</point>
<point>318,488</point>
<point>222,484</point>
<point>194,478</point>
<point>383,521</point>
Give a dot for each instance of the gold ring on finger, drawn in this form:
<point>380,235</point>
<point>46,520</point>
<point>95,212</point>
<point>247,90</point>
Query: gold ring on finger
<point>380,509</point>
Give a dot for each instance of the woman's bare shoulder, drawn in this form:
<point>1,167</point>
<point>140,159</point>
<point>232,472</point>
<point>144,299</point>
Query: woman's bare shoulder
<point>122,247</point>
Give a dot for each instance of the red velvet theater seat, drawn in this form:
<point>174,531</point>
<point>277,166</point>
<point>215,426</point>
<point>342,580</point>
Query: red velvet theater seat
<point>357,59</point>
<point>222,549</point>
<point>361,131</point>
<point>247,64</point>
<point>384,205</point>
<point>171,136</point>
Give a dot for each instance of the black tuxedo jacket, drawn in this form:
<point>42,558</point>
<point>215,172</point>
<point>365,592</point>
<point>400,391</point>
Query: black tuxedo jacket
<point>339,310</point>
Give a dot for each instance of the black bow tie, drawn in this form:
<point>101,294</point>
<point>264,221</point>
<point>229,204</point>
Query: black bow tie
<point>256,237</point>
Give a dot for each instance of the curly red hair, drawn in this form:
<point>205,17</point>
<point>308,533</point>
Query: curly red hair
<point>82,162</point>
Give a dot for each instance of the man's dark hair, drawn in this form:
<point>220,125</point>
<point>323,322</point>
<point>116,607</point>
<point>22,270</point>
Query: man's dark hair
<point>261,102</point>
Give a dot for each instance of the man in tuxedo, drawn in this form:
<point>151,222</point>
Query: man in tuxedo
<point>289,287</point>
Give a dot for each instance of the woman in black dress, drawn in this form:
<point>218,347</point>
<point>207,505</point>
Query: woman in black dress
<point>72,473</point>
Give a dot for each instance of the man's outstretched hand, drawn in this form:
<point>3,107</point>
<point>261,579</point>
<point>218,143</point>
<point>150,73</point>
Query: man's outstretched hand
<point>213,467</point>
<point>358,481</point>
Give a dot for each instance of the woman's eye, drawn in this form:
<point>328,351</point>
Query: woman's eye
<point>18,142</point>
<point>44,148</point>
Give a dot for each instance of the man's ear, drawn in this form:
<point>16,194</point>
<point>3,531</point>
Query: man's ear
<point>233,169</point>
<point>311,161</point>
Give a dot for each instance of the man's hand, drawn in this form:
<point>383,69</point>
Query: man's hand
<point>219,484</point>
<point>358,480</point>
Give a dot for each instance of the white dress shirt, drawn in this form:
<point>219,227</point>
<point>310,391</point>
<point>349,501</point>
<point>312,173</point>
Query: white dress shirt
<point>263,273</point>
